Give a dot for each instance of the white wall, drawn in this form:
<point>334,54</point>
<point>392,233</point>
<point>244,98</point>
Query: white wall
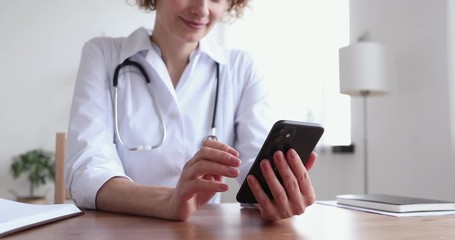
<point>40,43</point>
<point>411,131</point>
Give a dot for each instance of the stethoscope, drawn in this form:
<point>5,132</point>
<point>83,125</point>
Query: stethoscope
<point>148,147</point>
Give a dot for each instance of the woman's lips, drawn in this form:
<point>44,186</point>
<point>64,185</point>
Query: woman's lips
<point>193,25</point>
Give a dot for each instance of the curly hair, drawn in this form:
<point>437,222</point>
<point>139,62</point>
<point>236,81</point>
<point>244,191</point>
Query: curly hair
<point>235,9</point>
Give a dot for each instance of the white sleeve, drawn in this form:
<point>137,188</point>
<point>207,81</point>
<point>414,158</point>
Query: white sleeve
<point>253,117</point>
<point>91,156</point>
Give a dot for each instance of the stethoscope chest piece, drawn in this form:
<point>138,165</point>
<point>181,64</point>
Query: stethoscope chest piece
<point>212,136</point>
<point>209,137</point>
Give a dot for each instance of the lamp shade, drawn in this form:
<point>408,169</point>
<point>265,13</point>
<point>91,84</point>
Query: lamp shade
<point>363,69</point>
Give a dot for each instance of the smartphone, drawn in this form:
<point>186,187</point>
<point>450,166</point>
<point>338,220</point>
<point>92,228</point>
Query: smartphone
<point>284,135</point>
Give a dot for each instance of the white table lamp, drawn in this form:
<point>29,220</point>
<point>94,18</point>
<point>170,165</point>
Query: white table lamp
<point>363,69</point>
<point>363,73</point>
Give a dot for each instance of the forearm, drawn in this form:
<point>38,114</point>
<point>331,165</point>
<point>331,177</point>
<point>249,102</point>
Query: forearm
<point>124,196</point>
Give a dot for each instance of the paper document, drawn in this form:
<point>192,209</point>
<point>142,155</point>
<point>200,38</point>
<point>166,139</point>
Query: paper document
<point>394,214</point>
<point>394,203</point>
<point>16,216</point>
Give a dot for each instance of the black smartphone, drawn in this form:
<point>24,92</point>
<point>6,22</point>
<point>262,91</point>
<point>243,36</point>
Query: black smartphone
<point>284,135</point>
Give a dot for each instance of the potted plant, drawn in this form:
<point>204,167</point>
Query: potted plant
<point>39,167</point>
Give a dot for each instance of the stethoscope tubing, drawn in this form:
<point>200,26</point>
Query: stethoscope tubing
<point>128,62</point>
<point>212,135</point>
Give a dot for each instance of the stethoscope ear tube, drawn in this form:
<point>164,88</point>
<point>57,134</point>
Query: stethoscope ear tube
<point>128,62</point>
<point>159,113</point>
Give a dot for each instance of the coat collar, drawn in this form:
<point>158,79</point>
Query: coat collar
<point>136,42</point>
<point>139,40</point>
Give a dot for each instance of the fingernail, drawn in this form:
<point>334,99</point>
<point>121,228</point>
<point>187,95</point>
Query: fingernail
<point>234,161</point>
<point>293,153</point>
<point>279,156</point>
<point>233,171</point>
<point>233,152</point>
<point>223,187</point>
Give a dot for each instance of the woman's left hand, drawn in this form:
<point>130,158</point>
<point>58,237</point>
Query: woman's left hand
<point>294,195</point>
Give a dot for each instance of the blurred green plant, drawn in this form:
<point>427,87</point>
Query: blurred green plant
<point>37,164</point>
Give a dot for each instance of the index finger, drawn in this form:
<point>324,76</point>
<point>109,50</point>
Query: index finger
<point>220,146</point>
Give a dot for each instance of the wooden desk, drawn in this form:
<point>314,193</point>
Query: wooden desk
<point>229,221</point>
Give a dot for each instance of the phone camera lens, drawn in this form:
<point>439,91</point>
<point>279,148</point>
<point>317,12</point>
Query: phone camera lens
<point>279,140</point>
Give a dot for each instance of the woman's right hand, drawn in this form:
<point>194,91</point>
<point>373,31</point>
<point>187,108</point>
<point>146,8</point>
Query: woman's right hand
<point>201,178</point>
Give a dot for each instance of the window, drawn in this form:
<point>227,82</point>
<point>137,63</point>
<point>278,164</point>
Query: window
<point>296,42</point>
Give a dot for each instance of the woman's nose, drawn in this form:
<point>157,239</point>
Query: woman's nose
<point>200,7</point>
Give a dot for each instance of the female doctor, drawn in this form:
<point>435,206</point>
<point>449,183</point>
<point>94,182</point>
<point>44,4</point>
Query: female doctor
<point>142,109</point>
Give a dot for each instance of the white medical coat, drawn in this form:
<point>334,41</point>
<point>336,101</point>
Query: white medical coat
<point>94,156</point>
